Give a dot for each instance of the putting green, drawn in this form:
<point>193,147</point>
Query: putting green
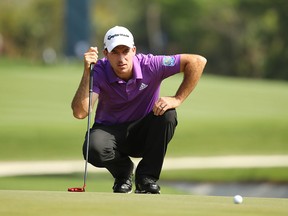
<point>105,204</point>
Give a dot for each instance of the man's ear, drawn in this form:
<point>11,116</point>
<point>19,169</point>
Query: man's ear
<point>134,49</point>
<point>105,52</point>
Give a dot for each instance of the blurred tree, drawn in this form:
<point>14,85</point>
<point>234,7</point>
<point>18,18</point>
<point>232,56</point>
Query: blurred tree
<point>265,44</point>
<point>239,37</point>
<point>30,26</point>
<point>245,38</point>
<point>108,13</point>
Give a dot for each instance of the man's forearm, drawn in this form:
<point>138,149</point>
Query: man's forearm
<point>80,101</point>
<point>192,70</point>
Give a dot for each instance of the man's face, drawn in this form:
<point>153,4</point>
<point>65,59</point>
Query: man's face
<point>121,60</point>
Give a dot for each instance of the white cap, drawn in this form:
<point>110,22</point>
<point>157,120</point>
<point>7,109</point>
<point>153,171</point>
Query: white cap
<point>116,36</point>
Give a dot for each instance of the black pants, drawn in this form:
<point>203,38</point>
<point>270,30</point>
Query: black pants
<point>147,138</point>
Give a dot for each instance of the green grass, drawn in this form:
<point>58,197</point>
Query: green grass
<point>232,116</point>
<point>222,116</point>
<point>36,121</point>
<point>243,175</point>
<point>105,204</point>
<point>102,182</point>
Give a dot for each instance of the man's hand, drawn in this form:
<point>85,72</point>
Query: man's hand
<point>165,103</point>
<point>80,101</point>
<point>91,56</point>
<point>192,66</point>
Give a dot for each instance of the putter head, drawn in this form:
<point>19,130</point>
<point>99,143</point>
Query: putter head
<point>76,189</point>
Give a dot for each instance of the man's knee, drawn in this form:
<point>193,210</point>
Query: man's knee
<point>170,117</point>
<point>99,153</point>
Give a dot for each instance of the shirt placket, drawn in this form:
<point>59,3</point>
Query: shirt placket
<point>130,86</point>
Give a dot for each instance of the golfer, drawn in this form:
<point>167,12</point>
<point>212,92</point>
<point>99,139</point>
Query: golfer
<point>131,119</point>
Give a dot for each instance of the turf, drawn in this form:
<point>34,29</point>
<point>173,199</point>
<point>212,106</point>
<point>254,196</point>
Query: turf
<point>232,116</point>
<point>244,175</point>
<point>106,204</point>
<point>222,116</point>
<point>96,182</point>
<point>102,182</point>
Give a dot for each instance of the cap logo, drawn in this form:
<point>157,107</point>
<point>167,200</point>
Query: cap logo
<point>116,35</point>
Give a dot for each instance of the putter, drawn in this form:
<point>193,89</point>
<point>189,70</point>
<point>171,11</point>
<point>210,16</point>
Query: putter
<point>82,189</point>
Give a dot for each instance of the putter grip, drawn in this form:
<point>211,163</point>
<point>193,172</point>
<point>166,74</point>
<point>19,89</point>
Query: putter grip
<point>91,67</point>
<point>91,76</point>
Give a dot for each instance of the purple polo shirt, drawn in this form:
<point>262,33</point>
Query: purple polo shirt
<point>120,101</point>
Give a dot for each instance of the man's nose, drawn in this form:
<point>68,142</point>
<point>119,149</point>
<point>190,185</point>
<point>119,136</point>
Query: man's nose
<point>121,57</point>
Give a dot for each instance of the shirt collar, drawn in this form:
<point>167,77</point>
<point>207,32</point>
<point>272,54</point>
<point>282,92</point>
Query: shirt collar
<point>137,72</point>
